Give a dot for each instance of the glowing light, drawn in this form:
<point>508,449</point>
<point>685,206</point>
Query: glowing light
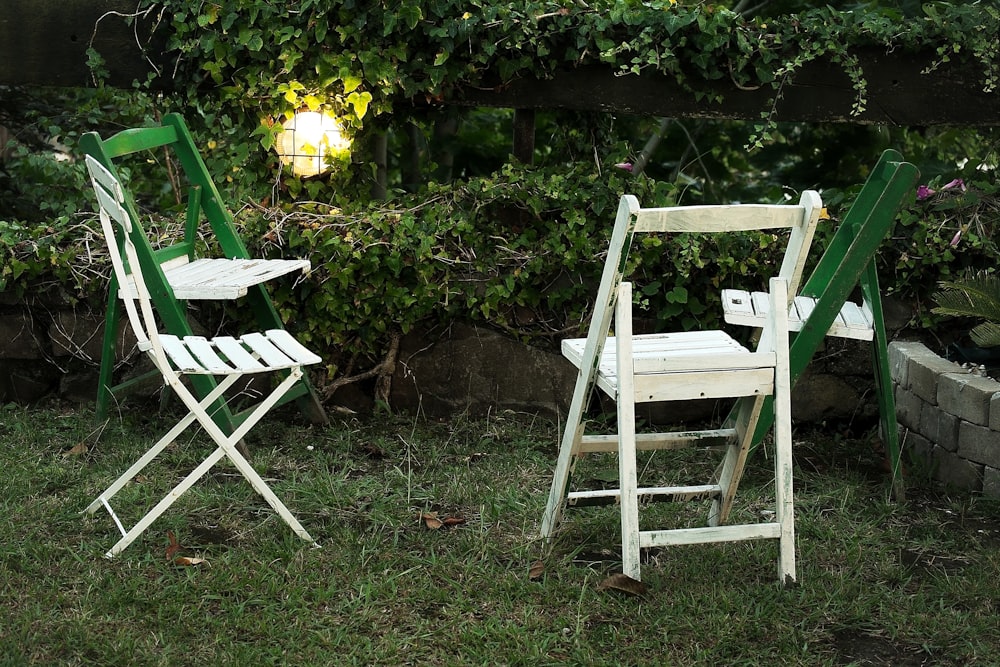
<point>308,138</point>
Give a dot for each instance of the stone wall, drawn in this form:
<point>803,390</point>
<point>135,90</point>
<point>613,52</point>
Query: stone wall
<point>52,348</point>
<point>949,419</point>
<point>48,348</point>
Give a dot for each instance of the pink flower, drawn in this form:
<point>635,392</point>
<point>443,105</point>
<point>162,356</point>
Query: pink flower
<point>956,238</point>
<point>923,192</point>
<point>627,166</point>
<point>957,183</point>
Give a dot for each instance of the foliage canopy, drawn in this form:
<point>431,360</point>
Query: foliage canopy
<point>505,244</point>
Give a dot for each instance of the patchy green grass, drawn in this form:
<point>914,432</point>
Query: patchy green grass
<point>881,583</point>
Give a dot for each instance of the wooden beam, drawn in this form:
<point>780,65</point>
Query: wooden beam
<point>45,42</point>
<point>898,94</point>
<point>524,136</point>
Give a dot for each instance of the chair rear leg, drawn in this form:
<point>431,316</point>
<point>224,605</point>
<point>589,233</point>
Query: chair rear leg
<point>105,377</point>
<point>227,443</point>
<point>730,471</point>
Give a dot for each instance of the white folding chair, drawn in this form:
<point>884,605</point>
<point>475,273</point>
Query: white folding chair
<point>225,358</point>
<point>683,366</point>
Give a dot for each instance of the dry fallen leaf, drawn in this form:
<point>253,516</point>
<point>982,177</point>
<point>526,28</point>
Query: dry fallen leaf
<point>536,570</point>
<point>174,546</point>
<point>434,522</point>
<point>188,561</point>
<point>624,583</point>
<point>77,450</point>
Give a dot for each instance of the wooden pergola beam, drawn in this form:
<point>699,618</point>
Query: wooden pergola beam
<point>898,93</point>
<point>45,42</point>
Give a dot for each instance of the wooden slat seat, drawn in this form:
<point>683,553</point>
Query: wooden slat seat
<point>750,309</point>
<point>220,278</point>
<point>252,353</point>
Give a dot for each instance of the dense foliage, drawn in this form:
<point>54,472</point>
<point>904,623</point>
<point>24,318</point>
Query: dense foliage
<point>515,246</point>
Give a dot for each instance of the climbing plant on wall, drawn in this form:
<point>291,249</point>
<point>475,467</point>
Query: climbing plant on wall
<point>365,59</point>
<point>504,245</point>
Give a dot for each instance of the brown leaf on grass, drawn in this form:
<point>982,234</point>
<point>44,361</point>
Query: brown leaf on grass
<point>78,449</point>
<point>434,522</point>
<point>623,583</point>
<point>187,561</point>
<point>536,570</point>
<point>173,547</point>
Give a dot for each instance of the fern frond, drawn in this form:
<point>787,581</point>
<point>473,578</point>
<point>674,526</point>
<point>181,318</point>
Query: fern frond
<point>986,334</point>
<point>973,296</point>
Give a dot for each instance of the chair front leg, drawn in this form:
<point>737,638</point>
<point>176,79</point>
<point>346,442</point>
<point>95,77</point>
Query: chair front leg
<point>156,449</point>
<point>227,443</point>
<point>627,475</point>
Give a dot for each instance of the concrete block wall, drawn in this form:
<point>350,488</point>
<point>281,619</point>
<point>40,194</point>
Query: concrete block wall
<point>949,419</point>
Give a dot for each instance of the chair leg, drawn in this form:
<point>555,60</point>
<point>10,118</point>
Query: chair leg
<point>887,410</point>
<point>627,475</point>
<point>105,377</point>
<point>226,448</point>
<point>569,449</point>
<point>156,449</point>
<point>152,515</point>
<point>227,443</point>
<point>783,483</point>
<point>785,509</point>
<point>730,471</point>
<point>628,482</point>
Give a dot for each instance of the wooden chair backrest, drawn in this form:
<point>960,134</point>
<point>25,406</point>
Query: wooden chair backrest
<point>801,219</point>
<point>117,223</point>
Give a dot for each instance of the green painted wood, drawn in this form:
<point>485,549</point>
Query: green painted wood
<point>138,139</point>
<point>849,261</point>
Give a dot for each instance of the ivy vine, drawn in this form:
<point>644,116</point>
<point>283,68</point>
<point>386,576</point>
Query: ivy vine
<point>363,59</point>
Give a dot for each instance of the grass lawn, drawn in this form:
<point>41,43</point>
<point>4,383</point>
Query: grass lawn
<point>881,583</point>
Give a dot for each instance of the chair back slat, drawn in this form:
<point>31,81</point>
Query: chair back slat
<point>723,218</point>
<point>114,214</point>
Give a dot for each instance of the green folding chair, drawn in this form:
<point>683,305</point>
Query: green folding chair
<point>823,306</point>
<point>175,274</point>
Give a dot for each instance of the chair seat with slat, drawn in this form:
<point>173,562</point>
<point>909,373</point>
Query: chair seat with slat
<point>273,350</point>
<point>220,278</point>
<point>750,309</point>
<point>679,366</point>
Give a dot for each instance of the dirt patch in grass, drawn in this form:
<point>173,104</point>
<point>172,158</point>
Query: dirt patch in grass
<point>857,647</point>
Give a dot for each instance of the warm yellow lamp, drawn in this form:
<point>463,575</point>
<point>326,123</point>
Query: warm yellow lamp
<point>308,137</point>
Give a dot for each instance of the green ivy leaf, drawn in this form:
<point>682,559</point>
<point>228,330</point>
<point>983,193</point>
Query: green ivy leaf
<point>360,102</point>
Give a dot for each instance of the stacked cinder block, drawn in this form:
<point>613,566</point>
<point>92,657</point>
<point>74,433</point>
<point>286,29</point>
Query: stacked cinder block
<point>949,418</point>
